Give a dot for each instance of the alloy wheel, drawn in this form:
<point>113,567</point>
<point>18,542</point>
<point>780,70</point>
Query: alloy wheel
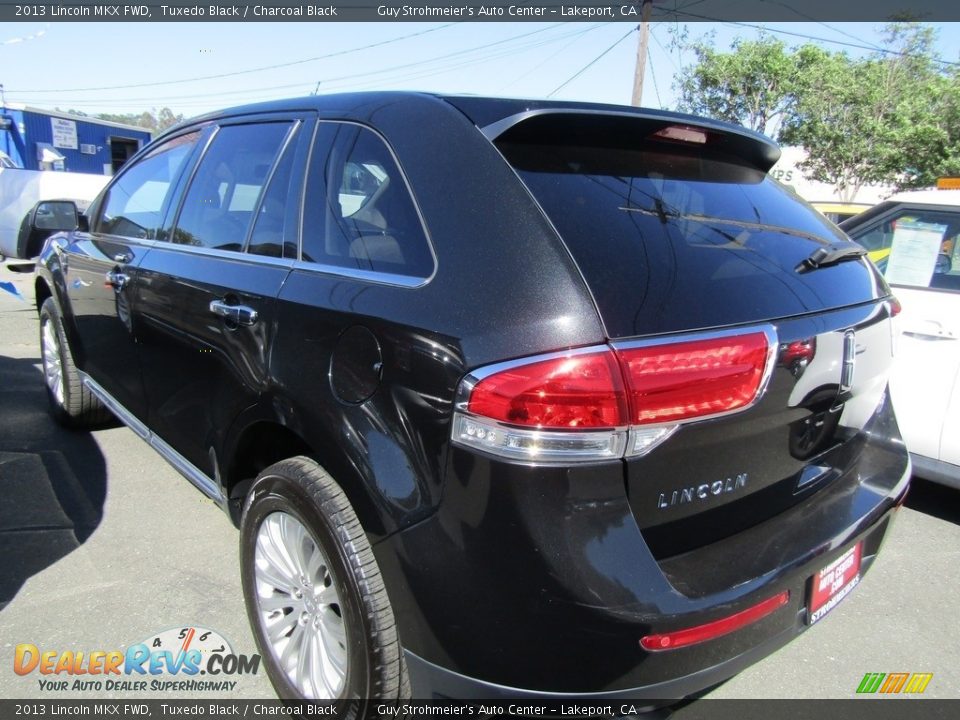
<point>299,607</point>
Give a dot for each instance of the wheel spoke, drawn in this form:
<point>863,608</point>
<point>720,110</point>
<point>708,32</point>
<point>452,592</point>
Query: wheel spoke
<point>294,648</point>
<point>270,574</point>
<point>275,570</point>
<point>328,596</point>
<point>309,640</point>
<point>294,538</point>
<point>52,362</point>
<point>277,601</point>
<point>279,552</point>
<point>278,630</point>
<point>303,664</point>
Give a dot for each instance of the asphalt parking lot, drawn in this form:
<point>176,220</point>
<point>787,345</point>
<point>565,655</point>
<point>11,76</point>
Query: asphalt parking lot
<point>103,545</point>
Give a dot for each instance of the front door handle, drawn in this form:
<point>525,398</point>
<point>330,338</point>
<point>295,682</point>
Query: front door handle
<point>117,280</point>
<point>237,314</point>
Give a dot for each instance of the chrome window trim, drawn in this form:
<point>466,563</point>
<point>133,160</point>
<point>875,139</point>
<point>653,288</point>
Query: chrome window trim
<point>372,276</point>
<point>235,255</point>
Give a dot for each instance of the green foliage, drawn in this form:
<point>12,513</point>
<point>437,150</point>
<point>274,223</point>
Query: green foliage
<point>154,120</point>
<point>752,85</point>
<point>889,117</point>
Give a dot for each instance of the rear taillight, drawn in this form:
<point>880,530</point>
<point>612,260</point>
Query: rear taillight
<point>694,379</point>
<point>572,391</point>
<point>608,402</point>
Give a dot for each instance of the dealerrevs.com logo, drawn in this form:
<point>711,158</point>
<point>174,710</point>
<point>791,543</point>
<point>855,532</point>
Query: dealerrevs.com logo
<point>184,659</point>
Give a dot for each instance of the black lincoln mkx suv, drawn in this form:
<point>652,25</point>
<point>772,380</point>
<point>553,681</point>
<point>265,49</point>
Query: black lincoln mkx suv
<point>508,398</point>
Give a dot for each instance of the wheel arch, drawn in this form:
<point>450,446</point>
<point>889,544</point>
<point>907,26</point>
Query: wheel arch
<point>262,442</point>
<point>41,291</point>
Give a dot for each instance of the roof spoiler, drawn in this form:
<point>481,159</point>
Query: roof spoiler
<point>631,130</point>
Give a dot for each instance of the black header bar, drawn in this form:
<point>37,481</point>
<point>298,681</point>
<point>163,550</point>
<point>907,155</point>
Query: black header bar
<point>470,11</point>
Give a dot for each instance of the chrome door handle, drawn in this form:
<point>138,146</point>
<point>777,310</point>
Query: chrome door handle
<point>117,280</point>
<point>239,314</point>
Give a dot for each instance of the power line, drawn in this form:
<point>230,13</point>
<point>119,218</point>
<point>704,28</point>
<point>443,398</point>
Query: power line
<point>338,53</point>
<point>590,64</point>
<point>653,74</point>
<point>764,28</point>
<point>331,82</point>
<point>550,57</point>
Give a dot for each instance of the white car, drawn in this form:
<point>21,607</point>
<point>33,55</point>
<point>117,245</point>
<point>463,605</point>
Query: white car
<point>913,239</point>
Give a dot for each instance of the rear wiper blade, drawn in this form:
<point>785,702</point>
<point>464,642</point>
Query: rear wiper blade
<point>830,255</point>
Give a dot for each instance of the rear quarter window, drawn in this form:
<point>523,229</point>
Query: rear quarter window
<point>359,213</point>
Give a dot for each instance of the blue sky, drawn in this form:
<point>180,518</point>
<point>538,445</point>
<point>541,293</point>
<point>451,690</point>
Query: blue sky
<point>78,65</point>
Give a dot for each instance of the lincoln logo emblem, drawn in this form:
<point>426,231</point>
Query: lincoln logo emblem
<point>701,492</point>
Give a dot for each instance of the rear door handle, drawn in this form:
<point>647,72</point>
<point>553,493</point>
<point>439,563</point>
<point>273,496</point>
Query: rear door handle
<point>239,314</point>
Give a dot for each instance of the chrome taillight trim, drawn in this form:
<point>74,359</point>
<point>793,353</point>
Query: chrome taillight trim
<point>619,442</point>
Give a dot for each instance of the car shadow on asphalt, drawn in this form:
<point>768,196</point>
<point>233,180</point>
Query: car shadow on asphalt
<point>52,480</point>
<point>936,500</point>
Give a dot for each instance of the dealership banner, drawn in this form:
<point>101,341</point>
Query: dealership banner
<point>470,11</point>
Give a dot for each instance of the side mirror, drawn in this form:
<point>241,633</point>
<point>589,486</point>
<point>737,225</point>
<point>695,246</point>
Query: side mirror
<point>46,218</point>
<point>55,215</point>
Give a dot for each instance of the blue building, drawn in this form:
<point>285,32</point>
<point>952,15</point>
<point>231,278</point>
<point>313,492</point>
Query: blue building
<point>38,139</point>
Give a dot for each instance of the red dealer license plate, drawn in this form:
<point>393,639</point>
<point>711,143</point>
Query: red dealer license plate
<point>834,583</point>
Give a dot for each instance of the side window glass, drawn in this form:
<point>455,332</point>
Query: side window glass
<point>918,248</point>
<point>218,208</point>
<point>269,229</point>
<point>134,204</point>
<point>359,213</point>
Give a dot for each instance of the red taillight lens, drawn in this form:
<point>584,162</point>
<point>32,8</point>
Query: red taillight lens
<point>698,378</point>
<point>603,402</point>
<point>895,306</point>
<point>708,631</point>
<point>577,391</point>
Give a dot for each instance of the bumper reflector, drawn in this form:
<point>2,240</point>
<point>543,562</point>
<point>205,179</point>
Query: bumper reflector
<point>710,630</point>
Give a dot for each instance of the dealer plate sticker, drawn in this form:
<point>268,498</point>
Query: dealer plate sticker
<point>834,583</point>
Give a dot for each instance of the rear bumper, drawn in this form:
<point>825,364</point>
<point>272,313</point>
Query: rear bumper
<point>539,584</point>
<point>432,681</point>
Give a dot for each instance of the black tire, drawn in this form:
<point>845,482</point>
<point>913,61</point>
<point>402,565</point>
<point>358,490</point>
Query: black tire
<point>72,404</point>
<point>374,670</point>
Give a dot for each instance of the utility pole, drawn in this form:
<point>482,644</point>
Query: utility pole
<point>641,65</point>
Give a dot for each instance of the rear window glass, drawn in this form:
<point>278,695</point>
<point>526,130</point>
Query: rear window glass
<point>670,240</point>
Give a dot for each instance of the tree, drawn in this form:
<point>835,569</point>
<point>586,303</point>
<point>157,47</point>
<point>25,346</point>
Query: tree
<point>876,119</point>
<point>752,85</point>
<point>154,120</point>
<point>891,117</point>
